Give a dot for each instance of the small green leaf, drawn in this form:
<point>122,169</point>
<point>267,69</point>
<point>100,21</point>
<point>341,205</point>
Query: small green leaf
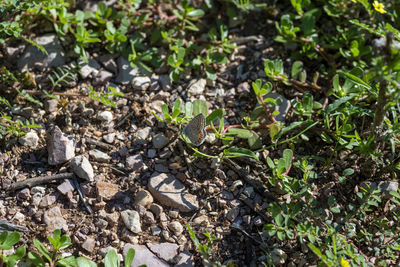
<point>165,111</point>
<point>297,67</point>
<point>200,106</point>
<point>239,152</point>
<point>42,249</point>
<point>83,262</point>
<point>36,259</point>
<point>356,80</point>
<point>196,13</point>
<point>241,133</point>
<point>10,240</point>
<point>176,110</point>
<point>215,115</point>
<point>188,109</point>
<point>348,172</point>
<point>130,255</point>
<point>111,259</point>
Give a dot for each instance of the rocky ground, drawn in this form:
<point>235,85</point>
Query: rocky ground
<point>141,184</point>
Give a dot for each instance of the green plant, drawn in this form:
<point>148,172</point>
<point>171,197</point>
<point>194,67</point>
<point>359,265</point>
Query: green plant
<point>7,241</point>
<point>197,107</point>
<point>58,242</point>
<point>206,251</point>
<point>62,76</point>
<point>105,98</point>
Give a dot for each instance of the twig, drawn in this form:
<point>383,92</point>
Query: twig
<point>7,226</point>
<point>99,143</point>
<point>39,180</point>
<point>82,196</point>
<point>127,116</point>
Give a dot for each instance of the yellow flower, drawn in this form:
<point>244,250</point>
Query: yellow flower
<point>344,263</point>
<point>379,7</point>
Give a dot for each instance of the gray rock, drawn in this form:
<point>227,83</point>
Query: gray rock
<point>134,162</point>
<point>88,69</point>
<point>141,83</point>
<point>89,244</point>
<point>184,259</point>
<point>387,186</point>
<point>131,220</point>
<point>108,62</point>
<point>24,194</point>
<point>105,116</point>
<point>176,227</point>
<point>233,213</point>
<point>165,82</point>
<point>60,146</point>
<point>50,105</point>
<point>283,108</point>
<point>31,139</point>
<point>173,214</point>
<point>48,200</point>
<point>196,87</point>
<point>165,251</point>
<point>33,57</point>
<point>19,217</point>
<point>160,141</point>
<point>165,234</point>
<point>54,220</point>
<point>109,138</point>
<point>279,257</point>
<point>171,192</point>
<point>161,167</point>
<point>156,209</point>
<point>106,190</point>
<point>151,153</point>
<point>144,256</point>
<point>148,218</point>
<point>144,198</point>
<point>81,166</point>
<point>155,230</point>
<point>125,72</point>
<point>99,156</point>
<point>102,77</point>
<point>142,134</point>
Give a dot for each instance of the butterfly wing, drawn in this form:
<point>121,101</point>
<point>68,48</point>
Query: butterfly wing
<point>195,130</point>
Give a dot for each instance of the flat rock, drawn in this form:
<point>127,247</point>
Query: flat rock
<point>165,251</point>
<point>144,256</point>
<point>48,200</point>
<point>88,69</point>
<point>89,244</point>
<point>60,146</point>
<point>144,198</point>
<point>160,141</point>
<point>34,58</point>
<point>196,87</point>
<point>66,187</point>
<point>54,219</point>
<point>134,162</point>
<point>171,192</point>
<point>131,219</point>
<point>141,83</point>
<point>106,190</point>
<point>99,156</point>
<point>31,139</point>
<point>184,259</point>
<point>125,72</point>
<point>82,167</point>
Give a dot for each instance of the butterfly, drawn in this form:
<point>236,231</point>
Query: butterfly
<point>195,130</point>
